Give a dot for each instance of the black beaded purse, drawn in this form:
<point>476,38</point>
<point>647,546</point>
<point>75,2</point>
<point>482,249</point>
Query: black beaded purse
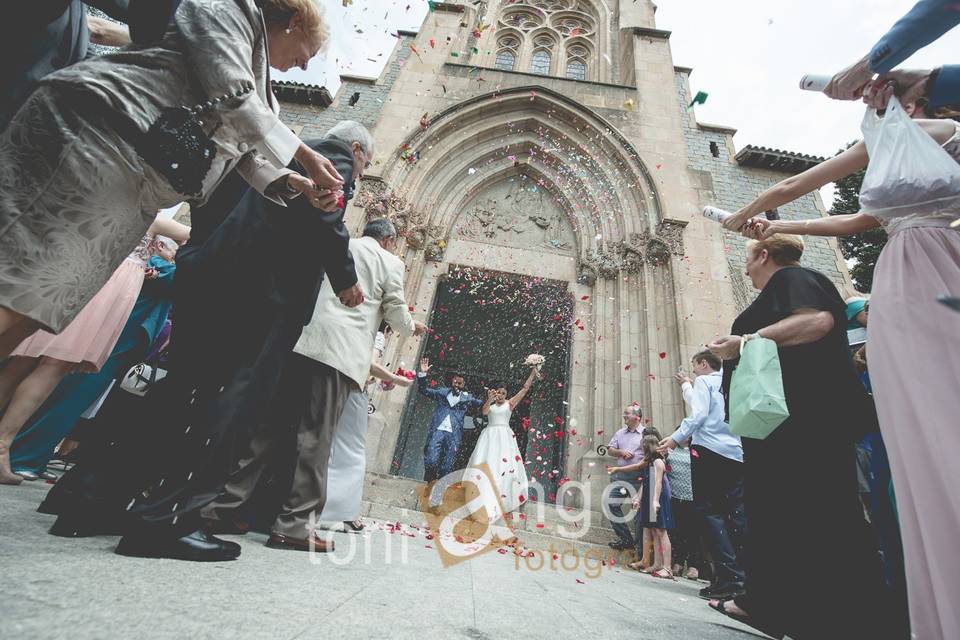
<point>179,148</point>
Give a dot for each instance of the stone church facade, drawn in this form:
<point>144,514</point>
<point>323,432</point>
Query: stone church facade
<point>559,145</point>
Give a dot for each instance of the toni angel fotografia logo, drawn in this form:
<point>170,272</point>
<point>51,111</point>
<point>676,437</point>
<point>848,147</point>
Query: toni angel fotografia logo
<point>465,514</point>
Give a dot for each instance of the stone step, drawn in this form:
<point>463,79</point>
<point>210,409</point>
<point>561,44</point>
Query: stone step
<point>543,547</point>
<point>394,499</point>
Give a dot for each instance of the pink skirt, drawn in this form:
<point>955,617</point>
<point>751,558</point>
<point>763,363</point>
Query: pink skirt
<point>913,355</point>
<point>90,338</point>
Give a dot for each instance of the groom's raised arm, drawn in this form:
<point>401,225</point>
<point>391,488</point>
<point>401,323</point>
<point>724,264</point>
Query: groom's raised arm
<point>422,387</point>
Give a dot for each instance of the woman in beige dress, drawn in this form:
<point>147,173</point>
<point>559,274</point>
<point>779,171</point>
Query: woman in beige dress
<point>914,349</point>
<point>75,194</point>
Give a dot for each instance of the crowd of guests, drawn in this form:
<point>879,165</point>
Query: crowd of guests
<point>786,519</point>
<point>255,404</point>
<point>267,356</point>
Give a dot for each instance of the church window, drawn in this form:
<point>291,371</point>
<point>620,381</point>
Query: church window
<point>505,60</point>
<point>576,70</point>
<point>541,63</point>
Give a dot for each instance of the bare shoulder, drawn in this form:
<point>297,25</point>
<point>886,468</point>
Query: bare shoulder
<point>939,130</point>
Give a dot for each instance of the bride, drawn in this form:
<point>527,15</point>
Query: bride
<point>497,446</point>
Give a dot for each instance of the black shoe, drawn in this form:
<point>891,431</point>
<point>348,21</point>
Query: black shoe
<point>69,526</point>
<point>198,546</point>
<point>722,592</point>
<point>620,545</point>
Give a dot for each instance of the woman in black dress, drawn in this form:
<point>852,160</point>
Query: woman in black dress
<point>812,569</point>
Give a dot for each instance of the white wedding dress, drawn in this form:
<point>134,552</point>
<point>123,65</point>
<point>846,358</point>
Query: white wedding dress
<point>497,446</point>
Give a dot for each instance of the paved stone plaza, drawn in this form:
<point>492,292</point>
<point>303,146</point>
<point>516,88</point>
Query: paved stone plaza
<point>57,588</point>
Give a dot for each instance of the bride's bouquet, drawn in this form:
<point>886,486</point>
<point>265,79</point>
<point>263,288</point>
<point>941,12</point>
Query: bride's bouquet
<point>534,360</point>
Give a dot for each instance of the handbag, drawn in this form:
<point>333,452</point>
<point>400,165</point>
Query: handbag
<point>757,401</point>
<point>909,173</point>
<point>141,378</point>
<point>177,146</point>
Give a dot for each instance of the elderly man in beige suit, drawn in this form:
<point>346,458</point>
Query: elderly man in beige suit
<point>335,354</point>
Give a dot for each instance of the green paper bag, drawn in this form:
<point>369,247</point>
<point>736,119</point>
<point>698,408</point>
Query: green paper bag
<point>757,401</point>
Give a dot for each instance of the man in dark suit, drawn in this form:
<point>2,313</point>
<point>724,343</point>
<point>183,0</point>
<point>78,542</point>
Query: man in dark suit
<point>245,287</point>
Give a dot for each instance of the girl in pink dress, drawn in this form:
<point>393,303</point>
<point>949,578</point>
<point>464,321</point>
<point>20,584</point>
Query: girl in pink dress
<point>40,362</point>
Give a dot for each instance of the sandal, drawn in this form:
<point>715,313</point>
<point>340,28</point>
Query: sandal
<point>721,606</point>
<point>638,566</point>
<point>355,525</point>
<point>662,573</point>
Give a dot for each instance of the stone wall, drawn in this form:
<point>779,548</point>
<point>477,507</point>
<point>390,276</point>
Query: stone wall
<point>722,182</point>
<point>373,95</point>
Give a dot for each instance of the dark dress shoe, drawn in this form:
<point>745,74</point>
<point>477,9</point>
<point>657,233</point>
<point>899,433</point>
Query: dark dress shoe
<point>70,526</point>
<point>318,545</point>
<point>198,546</point>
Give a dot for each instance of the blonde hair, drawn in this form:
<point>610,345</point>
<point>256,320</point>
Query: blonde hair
<point>783,248</point>
<point>279,12</point>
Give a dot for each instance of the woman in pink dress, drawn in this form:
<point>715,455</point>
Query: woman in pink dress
<point>914,349</point>
<point>40,362</point>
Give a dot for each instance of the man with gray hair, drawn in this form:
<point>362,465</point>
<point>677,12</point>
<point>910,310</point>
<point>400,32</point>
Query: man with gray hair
<point>626,446</point>
<point>247,282</point>
<point>333,362</point>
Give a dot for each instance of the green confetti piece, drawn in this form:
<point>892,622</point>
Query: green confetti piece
<point>700,98</point>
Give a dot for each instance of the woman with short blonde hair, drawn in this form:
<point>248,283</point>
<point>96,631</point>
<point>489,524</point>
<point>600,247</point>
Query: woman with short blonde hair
<point>102,145</point>
<point>799,482</point>
<point>914,356</point>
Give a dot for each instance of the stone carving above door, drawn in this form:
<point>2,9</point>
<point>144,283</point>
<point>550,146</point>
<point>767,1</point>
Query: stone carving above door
<point>517,212</point>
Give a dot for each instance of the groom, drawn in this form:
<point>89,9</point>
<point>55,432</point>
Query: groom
<point>446,425</point>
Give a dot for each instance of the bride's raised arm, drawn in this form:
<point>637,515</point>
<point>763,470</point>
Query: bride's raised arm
<point>485,409</point>
<point>515,400</point>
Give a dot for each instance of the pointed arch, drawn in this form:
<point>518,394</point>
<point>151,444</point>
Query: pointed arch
<point>592,170</point>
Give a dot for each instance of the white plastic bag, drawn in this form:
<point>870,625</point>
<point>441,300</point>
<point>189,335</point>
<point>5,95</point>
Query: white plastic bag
<point>909,173</point>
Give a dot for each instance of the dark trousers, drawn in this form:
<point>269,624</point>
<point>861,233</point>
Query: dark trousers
<point>440,454</point>
<point>685,536</point>
<point>614,497</point>
<point>718,499</point>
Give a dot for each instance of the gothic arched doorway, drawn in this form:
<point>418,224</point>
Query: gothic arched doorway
<point>483,325</point>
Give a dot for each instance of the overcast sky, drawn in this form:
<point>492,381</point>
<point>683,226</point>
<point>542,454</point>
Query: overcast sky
<point>748,55</point>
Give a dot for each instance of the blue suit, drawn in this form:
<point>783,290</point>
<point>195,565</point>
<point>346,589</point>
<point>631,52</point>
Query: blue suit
<point>927,21</point>
<point>440,451</point>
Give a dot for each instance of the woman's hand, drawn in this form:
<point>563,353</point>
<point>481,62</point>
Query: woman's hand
<point>401,381</point>
<point>636,502</point>
<point>726,348</point>
<point>425,365</point>
<point>737,220</point>
<point>656,506</point>
<point>760,228</point>
<point>303,185</point>
<point>319,168</point>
